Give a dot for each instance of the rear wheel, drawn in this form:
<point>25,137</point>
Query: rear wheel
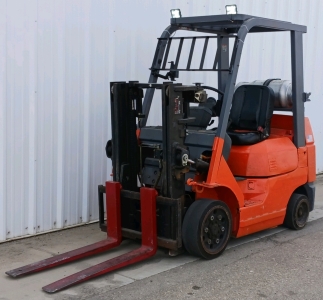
<point>297,212</point>
<point>207,228</point>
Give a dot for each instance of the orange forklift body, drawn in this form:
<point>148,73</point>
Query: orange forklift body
<point>273,169</point>
<point>181,186</point>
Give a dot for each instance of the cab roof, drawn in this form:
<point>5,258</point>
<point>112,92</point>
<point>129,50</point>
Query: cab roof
<point>230,24</point>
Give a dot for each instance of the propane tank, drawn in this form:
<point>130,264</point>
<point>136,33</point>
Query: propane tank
<point>281,88</point>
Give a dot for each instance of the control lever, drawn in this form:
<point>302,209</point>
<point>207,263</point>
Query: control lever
<point>171,75</point>
<point>186,160</point>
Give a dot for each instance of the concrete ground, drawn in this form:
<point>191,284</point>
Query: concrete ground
<point>273,264</point>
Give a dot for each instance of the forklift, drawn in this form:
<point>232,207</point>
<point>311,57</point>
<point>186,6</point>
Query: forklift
<point>181,185</point>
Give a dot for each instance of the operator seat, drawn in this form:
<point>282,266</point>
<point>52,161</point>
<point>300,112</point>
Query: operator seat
<point>250,115</point>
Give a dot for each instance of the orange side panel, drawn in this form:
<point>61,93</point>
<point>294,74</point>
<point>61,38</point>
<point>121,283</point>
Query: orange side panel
<point>270,157</point>
<point>273,220</point>
<point>302,157</point>
<point>254,190</point>
<point>271,196</point>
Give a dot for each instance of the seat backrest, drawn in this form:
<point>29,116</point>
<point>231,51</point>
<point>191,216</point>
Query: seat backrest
<point>252,108</point>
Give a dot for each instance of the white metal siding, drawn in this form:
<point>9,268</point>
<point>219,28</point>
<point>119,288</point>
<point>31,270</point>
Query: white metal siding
<point>57,58</point>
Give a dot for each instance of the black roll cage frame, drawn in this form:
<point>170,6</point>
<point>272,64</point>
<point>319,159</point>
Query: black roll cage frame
<point>226,26</point>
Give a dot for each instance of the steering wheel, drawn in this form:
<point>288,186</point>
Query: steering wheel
<point>216,110</point>
<point>212,89</point>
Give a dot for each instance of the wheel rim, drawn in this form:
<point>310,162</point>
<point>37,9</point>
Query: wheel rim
<point>214,230</point>
<point>301,213</point>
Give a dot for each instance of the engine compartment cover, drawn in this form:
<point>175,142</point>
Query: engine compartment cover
<point>274,156</point>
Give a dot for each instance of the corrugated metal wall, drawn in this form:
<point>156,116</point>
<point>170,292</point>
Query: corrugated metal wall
<point>57,58</point>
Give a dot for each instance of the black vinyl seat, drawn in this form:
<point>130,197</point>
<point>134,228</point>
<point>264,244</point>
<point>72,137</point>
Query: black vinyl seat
<point>250,116</point>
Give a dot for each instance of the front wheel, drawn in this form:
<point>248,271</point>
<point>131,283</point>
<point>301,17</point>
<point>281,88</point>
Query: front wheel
<point>207,228</point>
<point>297,212</point>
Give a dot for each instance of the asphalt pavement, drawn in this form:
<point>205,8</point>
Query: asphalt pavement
<point>287,265</point>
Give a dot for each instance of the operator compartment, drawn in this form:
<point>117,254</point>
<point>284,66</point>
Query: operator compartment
<point>275,154</point>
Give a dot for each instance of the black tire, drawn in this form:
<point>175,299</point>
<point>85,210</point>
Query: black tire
<point>207,228</point>
<point>297,212</point>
